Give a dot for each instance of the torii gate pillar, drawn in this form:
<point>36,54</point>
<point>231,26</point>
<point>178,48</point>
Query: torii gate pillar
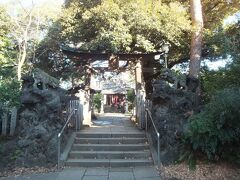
<point>140,95</point>
<point>87,118</point>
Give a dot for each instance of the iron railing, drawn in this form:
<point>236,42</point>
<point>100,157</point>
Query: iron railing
<point>69,117</point>
<point>149,114</point>
<point>75,108</point>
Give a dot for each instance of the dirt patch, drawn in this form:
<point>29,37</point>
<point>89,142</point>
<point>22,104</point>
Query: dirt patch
<point>203,171</point>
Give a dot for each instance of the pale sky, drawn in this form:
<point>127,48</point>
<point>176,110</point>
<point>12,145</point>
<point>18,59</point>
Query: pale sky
<point>232,19</point>
<point>27,3</point>
<point>53,7</point>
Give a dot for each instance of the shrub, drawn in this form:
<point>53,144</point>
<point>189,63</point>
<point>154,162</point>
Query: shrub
<point>97,101</point>
<point>216,130</point>
<point>9,92</point>
<point>130,99</point>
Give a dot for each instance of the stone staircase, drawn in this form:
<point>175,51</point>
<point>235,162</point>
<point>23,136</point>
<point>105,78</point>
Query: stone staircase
<point>110,149</point>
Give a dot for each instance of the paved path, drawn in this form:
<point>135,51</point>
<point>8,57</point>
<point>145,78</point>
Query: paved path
<point>137,173</point>
<point>112,122</point>
<point>107,123</point>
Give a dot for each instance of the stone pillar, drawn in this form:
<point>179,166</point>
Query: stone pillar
<point>140,95</point>
<point>104,99</point>
<point>102,104</point>
<point>4,124</point>
<point>126,107</point>
<point>87,118</point>
<point>138,79</point>
<point>138,75</point>
<point>13,120</point>
<point>83,96</point>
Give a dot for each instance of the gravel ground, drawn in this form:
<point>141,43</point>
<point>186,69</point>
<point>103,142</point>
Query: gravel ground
<point>210,171</point>
<point>24,171</point>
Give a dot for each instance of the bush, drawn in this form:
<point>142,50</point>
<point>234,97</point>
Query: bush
<point>216,130</point>
<point>130,98</point>
<point>9,93</point>
<point>97,101</point>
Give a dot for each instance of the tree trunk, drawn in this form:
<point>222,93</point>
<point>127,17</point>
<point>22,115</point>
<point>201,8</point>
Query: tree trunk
<point>197,36</point>
<point>196,48</point>
<point>23,45</point>
<point>21,61</point>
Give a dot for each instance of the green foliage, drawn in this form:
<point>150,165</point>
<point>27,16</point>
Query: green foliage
<point>232,43</point>
<point>217,10</point>
<point>49,57</point>
<point>222,42</point>
<point>9,86</point>
<point>131,95</point>
<point>216,130</point>
<point>15,154</point>
<point>131,98</point>
<point>9,92</point>
<point>225,43</point>
<point>213,81</point>
<point>125,26</point>
<point>141,26</point>
<point>6,45</point>
<point>97,99</point>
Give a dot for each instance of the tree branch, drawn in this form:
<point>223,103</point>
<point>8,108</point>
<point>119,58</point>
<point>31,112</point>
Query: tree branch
<point>172,63</point>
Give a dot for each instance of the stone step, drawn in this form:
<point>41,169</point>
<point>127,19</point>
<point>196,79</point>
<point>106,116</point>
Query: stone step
<point>108,162</point>
<point>110,140</point>
<point>110,135</point>
<point>110,154</point>
<point>110,147</point>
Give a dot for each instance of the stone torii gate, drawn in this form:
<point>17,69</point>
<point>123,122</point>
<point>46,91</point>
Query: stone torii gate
<point>143,65</point>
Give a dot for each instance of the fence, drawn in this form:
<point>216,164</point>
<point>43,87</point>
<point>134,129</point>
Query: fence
<point>78,108</point>
<point>8,122</point>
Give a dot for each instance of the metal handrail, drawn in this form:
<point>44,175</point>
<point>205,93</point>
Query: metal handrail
<point>60,134</point>
<point>156,131</point>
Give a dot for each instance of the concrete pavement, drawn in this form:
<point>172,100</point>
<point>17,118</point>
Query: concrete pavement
<point>122,173</point>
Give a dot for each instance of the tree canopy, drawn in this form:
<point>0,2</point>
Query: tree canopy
<point>5,42</point>
<point>124,26</point>
<point>133,27</point>
<point>9,87</point>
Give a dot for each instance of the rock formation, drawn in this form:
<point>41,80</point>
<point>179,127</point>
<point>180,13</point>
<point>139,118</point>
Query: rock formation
<point>172,103</point>
<point>40,119</point>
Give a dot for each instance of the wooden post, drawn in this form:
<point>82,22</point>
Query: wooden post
<point>4,124</point>
<point>13,121</point>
